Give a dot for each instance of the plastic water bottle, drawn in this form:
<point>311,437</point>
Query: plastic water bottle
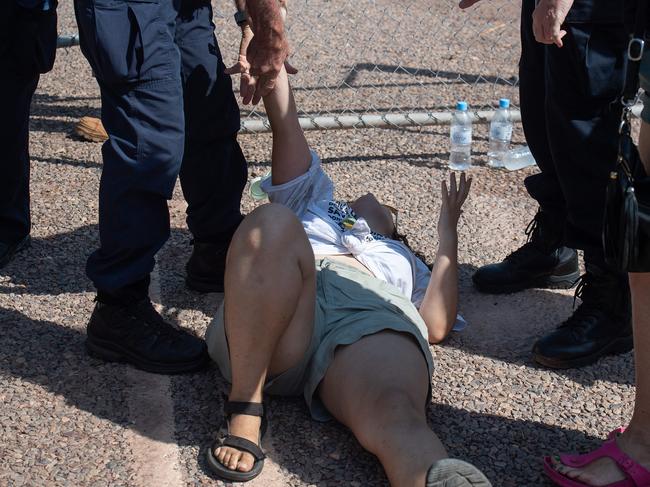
<point>518,158</point>
<point>255,188</point>
<point>460,156</point>
<point>500,134</point>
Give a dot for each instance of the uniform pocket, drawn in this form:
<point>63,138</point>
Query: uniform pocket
<point>599,50</point>
<point>129,41</point>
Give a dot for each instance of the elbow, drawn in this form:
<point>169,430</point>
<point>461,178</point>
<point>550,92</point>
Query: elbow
<point>439,324</point>
<point>438,333</point>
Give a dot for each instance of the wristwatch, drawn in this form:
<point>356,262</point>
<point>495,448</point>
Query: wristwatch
<point>241,17</point>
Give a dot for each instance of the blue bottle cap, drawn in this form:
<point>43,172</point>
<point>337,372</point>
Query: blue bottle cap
<point>462,106</point>
<point>504,103</point>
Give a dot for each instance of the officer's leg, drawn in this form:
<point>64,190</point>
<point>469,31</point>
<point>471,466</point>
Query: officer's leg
<point>16,92</point>
<point>542,261</point>
<point>214,172</point>
<point>585,78</point>
<point>543,186</point>
<point>131,48</point>
<point>27,46</point>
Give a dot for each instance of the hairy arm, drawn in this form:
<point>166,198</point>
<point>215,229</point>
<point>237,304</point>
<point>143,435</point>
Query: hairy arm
<point>269,48</point>
<point>440,304</point>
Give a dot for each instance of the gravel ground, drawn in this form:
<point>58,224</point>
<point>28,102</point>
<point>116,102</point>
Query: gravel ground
<point>65,416</point>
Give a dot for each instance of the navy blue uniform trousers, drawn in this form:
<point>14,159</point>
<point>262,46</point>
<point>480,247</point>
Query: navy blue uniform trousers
<point>570,118</point>
<point>169,109</point>
<point>27,49</point>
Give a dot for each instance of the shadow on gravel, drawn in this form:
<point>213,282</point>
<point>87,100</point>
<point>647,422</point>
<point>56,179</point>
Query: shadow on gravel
<point>53,356</point>
<point>505,327</point>
<point>326,454</point>
<point>47,112</point>
<point>45,353</point>
<point>53,265</point>
<point>437,74</point>
<point>508,451</point>
<point>421,160</point>
<point>44,105</point>
<point>67,161</point>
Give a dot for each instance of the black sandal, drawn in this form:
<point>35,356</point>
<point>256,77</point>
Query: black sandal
<point>242,444</point>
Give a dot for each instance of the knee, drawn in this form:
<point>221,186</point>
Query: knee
<point>268,228</point>
<point>387,414</point>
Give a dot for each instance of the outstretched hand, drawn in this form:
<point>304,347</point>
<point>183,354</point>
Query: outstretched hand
<point>453,198</point>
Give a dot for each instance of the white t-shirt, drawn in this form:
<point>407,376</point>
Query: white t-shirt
<point>334,229</point>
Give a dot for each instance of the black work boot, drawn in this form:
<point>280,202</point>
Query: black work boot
<point>206,267</point>
<point>601,325</point>
<point>138,335</point>
<point>8,250</point>
<point>541,262</point>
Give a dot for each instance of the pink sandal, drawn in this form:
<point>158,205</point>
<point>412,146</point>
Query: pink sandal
<point>637,476</point>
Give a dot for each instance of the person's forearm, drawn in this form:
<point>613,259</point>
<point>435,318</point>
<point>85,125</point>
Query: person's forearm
<point>266,18</point>
<point>440,304</point>
<point>291,156</point>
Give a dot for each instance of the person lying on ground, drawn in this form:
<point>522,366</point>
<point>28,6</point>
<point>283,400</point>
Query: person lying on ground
<point>322,298</point>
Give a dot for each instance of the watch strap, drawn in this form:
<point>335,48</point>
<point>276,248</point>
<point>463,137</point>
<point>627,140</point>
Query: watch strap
<point>241,17</point>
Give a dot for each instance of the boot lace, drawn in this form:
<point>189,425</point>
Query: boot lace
<point>586,290</point>
<point>529,249</point>
<point>155,323</point>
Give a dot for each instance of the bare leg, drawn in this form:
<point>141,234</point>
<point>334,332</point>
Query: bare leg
<point>378,387</point>
<point>268,326</point>
<point>636,439</point>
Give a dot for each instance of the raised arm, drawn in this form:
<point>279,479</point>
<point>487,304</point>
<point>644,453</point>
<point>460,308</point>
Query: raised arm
<point>291,156</point>
<point>440,304</point>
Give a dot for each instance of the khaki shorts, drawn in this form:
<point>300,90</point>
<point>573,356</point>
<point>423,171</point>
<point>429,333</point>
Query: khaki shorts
<point>350,304</point>
<point>644,82</point>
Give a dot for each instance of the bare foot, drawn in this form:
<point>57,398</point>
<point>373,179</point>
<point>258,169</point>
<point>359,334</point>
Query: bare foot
<point>599,473</point>
<point>605,471</point>
<point>246,427</point>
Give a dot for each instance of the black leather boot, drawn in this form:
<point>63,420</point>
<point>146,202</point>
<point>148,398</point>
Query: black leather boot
<point>8,250</point>
<point>206,267</point>
<point>541,262</point>
<point>601,325</point>
<point>136,334</point>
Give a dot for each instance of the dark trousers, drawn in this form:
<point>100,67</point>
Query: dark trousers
<point>570,119</point>
<point>169,109</point>
<point>27,48</point>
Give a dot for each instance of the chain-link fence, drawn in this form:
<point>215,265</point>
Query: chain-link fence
<point>380,62</point>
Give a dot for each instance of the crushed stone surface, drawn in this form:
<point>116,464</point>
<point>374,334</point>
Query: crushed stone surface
<point>64,415</point>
